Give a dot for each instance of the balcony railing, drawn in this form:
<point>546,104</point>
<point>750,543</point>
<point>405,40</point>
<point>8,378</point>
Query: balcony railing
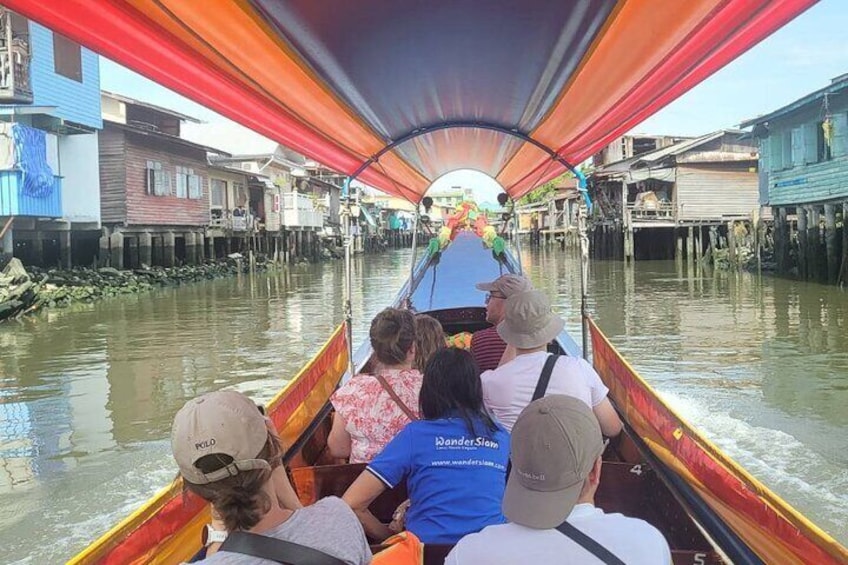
<point>228,221</point>
<point>299,212</point>
<point>15,84</point>
<point>15,201</point>
<point>652,211</point>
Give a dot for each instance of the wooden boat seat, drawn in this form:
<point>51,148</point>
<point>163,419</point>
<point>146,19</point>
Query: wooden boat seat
<point>314,483</point>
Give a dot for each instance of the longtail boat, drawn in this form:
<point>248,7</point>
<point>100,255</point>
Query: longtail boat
<point>399,93</point>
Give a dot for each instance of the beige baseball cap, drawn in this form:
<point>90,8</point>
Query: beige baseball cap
<point>554,445</point>
<point>507,285</point>
<point>226,423</point>
<point>529,321</point>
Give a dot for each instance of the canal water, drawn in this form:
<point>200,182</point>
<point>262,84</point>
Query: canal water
<point>87,394</point>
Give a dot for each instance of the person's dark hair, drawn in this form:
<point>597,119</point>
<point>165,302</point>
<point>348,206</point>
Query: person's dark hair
<point>392,335</point>
<point>239,500</point>
<point>451,386</point>
<point>429,338</point>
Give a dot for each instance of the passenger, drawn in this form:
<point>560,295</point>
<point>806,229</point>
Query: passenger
<point>453,460</point>
<point>487,347</point>
<point>429,338</point>
<point>227,455</point>
<point>372,408</point>
<point>529,325</point>
<point>556,468</point>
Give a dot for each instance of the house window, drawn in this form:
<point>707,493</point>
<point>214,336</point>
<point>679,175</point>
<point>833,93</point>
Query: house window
<point>67,58</point>
<point>156,182</point>
<point>824,149</point>
<point>218,193</point>
<point>188,183</point>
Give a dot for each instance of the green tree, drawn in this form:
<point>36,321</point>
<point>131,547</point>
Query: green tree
<point>544,191</point>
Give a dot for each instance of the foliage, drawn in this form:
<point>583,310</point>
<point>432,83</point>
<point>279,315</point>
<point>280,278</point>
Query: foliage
<point>544,191</point>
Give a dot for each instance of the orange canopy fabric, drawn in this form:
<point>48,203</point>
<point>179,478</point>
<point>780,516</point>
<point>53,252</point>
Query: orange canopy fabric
<point>463,84</point>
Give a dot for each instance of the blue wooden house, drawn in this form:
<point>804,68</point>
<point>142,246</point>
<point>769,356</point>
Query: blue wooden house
<point>804,178</point>
<point>49,118</point>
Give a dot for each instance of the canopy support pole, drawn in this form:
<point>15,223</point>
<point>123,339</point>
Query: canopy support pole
<point>584,278</point>
<point>347,306</point>
<point>412,260</point>
<point>516,240</point>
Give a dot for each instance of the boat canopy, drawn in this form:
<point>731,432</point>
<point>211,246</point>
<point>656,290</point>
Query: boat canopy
<point>399,93</point>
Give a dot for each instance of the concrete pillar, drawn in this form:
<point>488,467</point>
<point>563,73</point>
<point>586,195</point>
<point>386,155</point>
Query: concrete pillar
<point>831,243</point>
<point>781,240</point>
<point>104,259</point>
<point>145,249</point>
<point>690,244</point>
<point>201,247</point>
<point>7,245</point>
<point>814,243</point>
<point>210,248</point>
<point>190,248</point>
<point>843,269</point>
<point>37,249</point>
<point>133,244</point>
<point>678,251</point>
<point>65,249</point>
<point>699,243</point>
<point>116,250</point>
<point>169,254</point>
<point>731,242</point>
<point>802,241</point>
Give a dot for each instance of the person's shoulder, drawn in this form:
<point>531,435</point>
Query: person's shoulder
<point>476,545</point>
<point>330,506</point>
<point>641,532</point>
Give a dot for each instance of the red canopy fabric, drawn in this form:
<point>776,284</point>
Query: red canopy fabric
<point>463,84</point>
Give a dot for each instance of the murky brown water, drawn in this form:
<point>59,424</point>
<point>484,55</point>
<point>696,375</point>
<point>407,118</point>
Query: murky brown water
<point>87,394</point>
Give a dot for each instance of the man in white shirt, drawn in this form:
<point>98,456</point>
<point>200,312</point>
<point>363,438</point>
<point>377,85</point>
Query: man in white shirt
<point>529,325</point>
<point>556,449</point>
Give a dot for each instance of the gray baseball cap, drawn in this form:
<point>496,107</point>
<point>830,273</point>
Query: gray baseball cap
<point>506,285</point>
<point>554,445</point>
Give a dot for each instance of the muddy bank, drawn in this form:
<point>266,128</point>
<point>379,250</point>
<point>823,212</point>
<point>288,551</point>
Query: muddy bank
<point>27,290</point>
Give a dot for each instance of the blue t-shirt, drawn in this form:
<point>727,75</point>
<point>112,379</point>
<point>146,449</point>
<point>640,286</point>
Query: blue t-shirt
<point>455,480</point>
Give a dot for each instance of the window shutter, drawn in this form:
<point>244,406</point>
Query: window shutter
<point>776,143</point>
<point>797,146</point>
<point>811,145</point>
<point>840,135</point>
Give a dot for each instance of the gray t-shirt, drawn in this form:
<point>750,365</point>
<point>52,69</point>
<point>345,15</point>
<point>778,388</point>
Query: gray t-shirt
<point>329,525</point>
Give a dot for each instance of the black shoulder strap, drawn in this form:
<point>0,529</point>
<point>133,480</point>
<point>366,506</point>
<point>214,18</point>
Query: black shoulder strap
<point>545,377</point>
<point>274,549</point>
<point>589,544</point>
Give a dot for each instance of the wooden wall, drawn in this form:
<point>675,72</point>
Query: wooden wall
<point>716,192</point>
<point>148,209</point>
<point>113,176</point>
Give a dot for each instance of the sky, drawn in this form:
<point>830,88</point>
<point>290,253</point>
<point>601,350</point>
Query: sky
<point>799,58</point>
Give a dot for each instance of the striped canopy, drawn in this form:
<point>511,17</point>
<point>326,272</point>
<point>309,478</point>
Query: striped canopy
<point>405,91</point>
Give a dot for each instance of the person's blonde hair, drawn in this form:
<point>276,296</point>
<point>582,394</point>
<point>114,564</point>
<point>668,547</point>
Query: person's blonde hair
<point>429,338</point>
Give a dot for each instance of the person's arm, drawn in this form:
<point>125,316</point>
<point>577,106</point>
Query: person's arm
<point>339,439</point>
<point>607,418</point>
<point>359,496</point>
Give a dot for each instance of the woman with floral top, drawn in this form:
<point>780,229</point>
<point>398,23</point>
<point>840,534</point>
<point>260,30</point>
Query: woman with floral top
<point>371,408</point>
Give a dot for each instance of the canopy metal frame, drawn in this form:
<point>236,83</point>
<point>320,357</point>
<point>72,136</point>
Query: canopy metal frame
<point>513,132</point>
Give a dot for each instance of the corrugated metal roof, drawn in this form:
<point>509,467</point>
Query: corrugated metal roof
<point>682,147</point>
<point>838,84</point>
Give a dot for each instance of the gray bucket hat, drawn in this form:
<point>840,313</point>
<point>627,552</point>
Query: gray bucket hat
<point>529,321</point>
